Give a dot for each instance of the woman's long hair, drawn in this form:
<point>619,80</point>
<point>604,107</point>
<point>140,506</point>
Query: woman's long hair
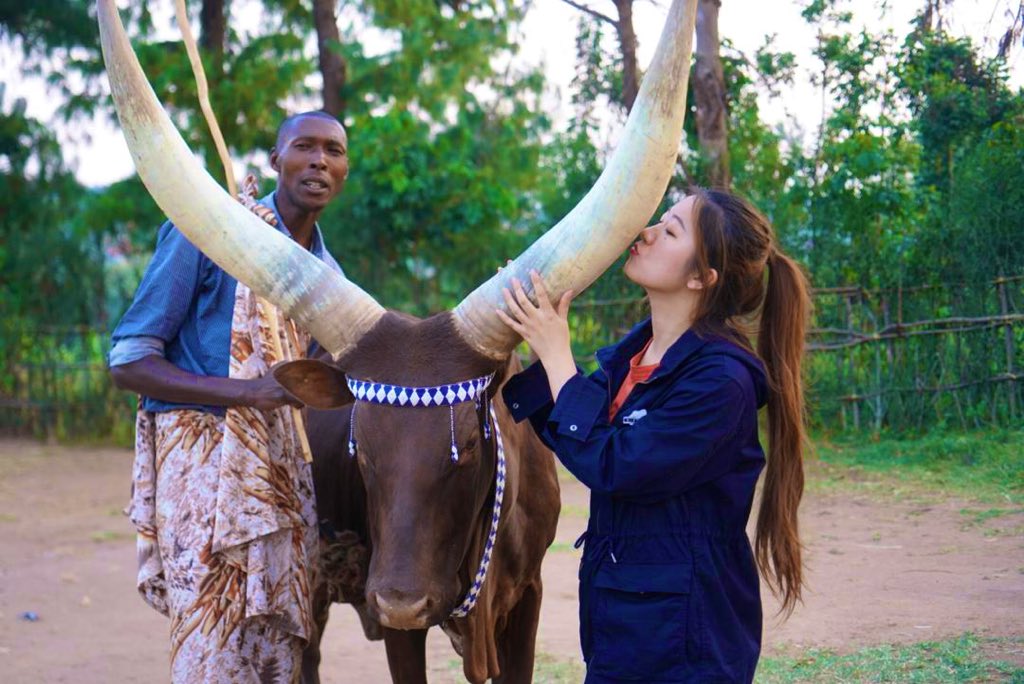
<point>736,240</point>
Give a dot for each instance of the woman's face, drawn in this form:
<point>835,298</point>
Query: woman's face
<point>662,259</point>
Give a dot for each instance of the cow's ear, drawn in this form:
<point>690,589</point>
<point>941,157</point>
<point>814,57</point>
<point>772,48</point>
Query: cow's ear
<point>316,383</point>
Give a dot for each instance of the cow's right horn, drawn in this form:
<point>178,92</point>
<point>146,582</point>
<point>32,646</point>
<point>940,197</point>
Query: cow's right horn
<point>576,251</point>
<point>334,310</point>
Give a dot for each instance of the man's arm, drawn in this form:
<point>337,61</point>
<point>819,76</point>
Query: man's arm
<point>156,377</point>
<point>155,316</point>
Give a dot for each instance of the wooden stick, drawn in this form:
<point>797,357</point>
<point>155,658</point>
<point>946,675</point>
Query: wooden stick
<point>203,91</point>
<point>275,328</point>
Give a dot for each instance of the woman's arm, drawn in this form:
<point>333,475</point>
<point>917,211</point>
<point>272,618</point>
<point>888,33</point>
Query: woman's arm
<point>658,456</point>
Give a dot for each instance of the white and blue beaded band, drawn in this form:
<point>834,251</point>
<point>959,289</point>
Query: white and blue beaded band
<point>418,397</point>
<point>397,395</point>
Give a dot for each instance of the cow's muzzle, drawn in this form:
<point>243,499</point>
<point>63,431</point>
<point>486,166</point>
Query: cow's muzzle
<point>400,610</point>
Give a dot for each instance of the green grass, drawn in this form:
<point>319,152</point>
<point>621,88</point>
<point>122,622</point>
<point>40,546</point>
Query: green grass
<point>571,511</point>
<point>103,536</point>
<point>982,466</point>
<point>547,669</point>
<point>965,659</point>
<point>962,660</point>
<point>563,547</point>
<point>978,518</point>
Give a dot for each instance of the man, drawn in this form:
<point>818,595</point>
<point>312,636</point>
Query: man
<point>222,495</point>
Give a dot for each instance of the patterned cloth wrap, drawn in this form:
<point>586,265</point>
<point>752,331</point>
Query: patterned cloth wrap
<point>226,522</point>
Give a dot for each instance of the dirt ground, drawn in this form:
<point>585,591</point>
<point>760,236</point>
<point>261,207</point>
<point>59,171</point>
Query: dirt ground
<point>880,570</point>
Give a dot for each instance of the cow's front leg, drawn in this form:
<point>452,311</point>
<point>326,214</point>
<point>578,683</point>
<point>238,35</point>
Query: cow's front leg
<point>516,644</point>
<point>407,655</point>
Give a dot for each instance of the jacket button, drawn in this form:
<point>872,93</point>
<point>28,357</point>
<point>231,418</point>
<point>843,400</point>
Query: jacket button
<point>515,405</point>
<point>573,428</point>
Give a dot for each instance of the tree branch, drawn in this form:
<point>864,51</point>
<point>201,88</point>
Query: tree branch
<point>592,12</point>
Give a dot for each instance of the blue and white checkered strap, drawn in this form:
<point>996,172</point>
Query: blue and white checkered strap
<point>397,395</point>
<point>492,533</point>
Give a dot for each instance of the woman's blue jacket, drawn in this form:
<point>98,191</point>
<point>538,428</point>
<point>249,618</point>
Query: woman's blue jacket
<point>669,589</point>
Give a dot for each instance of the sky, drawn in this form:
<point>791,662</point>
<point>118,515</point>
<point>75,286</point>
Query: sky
<point>99,156</point>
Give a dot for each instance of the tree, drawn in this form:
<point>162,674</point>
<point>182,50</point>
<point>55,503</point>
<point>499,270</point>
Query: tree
<point>332,66</point>
<point>629,73</point>
<point>710,96</point>
<point>213,23</point>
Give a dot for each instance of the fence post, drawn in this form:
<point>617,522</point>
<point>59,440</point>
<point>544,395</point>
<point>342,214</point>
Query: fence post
<point>1011,383</point>
<point>851,365</point>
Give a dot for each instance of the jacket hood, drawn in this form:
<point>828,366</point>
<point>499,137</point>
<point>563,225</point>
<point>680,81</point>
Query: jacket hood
<point>753,364</point>
<point>618,355</point>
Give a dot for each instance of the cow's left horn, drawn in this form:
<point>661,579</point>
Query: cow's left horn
<point>333,309</point>
<point>576,251</point>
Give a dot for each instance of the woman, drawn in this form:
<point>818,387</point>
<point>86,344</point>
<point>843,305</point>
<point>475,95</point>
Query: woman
<point>665,436</point>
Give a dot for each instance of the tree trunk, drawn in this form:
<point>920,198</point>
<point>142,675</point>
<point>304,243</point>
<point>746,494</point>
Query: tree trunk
<point>213,27</point>
<point>627,43</point>
<point>709,94</point>
<point>332,66</point>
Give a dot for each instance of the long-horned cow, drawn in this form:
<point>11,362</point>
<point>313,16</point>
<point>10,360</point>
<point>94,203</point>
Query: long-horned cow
<point>454,541</point>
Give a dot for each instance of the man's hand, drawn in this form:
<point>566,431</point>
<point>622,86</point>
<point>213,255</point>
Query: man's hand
<point>266,394</point>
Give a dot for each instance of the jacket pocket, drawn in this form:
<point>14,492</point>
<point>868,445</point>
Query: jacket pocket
<point>639,621</point>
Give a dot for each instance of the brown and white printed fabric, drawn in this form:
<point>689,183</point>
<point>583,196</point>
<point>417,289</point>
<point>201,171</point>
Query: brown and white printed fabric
<point>226,522</point>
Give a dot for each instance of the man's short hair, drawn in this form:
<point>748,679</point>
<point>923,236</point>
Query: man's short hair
<point>315,113</point>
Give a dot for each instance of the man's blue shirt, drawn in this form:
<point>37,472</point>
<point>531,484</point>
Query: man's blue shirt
<point>187,301</point>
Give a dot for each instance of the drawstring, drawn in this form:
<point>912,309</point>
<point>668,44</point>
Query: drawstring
<point>597,546</point>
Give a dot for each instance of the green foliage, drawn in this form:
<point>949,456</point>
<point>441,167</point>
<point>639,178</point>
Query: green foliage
<point>50,270</point>
<point>47,25</point>
<point>442,171</point>
<point>954,94</point>
<point>986,217</point>
<point>250,87</point>
<point>961,660</point>
<point>961,107</point>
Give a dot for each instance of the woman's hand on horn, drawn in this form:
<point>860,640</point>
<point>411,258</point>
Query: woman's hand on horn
<point>544,327</point>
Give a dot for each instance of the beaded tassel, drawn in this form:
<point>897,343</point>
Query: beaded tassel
<point>352,432</point>
<point>455,448</point>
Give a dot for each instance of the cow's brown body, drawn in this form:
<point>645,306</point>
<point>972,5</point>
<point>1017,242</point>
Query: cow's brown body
<point>416,519</point>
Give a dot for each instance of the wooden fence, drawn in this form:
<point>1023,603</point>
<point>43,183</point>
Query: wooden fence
<point>894,359</point>
<point>905,358</point>
<point>57,387</point>
<point>910,358</point>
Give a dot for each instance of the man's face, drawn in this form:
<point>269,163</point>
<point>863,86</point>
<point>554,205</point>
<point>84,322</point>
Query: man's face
<point>311,159</point>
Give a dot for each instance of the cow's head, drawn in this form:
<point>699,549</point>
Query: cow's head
<point>419,567</point>
<point>404,453</point>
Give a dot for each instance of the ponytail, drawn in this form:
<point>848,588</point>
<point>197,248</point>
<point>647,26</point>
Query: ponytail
<point>780,344</point>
